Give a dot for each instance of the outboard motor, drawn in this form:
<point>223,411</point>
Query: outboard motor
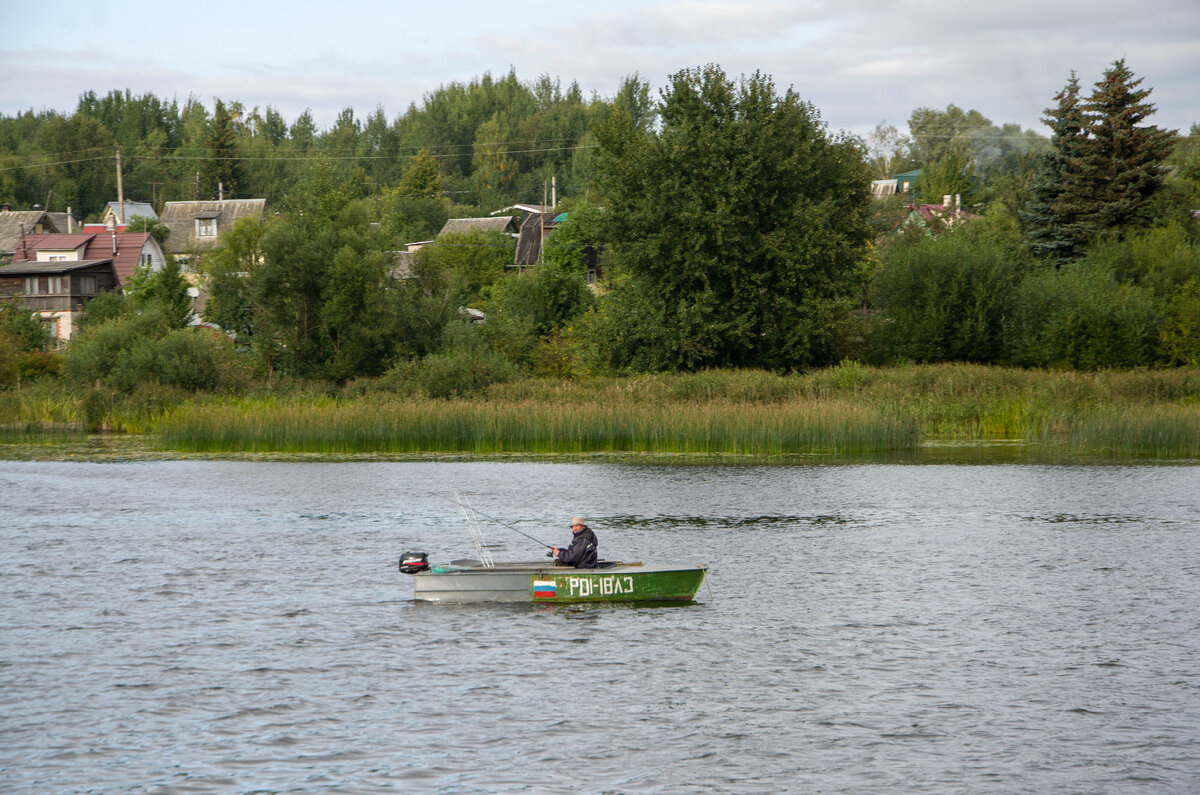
<point>413,562</point>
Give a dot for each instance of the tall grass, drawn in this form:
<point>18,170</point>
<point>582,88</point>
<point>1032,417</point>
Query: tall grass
<point>849,408</point>
<point>423,426</point>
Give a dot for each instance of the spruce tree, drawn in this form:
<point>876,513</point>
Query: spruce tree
<point>1103,170</point>
<point>1122,162</point>
<point>1052,226</point>
<point>223,168</point>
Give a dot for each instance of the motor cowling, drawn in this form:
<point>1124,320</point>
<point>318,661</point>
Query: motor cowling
<point>413,562</point>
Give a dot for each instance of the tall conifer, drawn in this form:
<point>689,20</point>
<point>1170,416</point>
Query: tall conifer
<point>1053,225</point>
<point>1122,162</point>
<point>1103,170</point>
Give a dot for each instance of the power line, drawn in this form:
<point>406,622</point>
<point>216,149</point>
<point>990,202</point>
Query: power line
<point>312,155</point>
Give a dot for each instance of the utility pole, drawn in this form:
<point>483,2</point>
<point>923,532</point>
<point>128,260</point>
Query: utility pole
<point>120,193</point>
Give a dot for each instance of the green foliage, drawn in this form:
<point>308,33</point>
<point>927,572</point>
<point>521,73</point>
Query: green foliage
<point>1179,335</point>
<point>229,269</point>
<point>743,222</point>
<point>1082,317</point>
<point>532,130</point>
<point>887,150</point>
<point>104,307</point>
<point>466,365</point>
<point>222,168</point>
<point>953,175</point>
<point>105,350</point>
<point>448,275</point>
<point>164,291</point>
<point>25,332</point>
<point>321,298</point>
<point>127,352</point>
<point>1104,170</point>
<point>969,137</point>
<point>159,231</point>
<point>549,295</point>
<point>947,297</point>
<point>1162,259</point>
<point>1053,227</point>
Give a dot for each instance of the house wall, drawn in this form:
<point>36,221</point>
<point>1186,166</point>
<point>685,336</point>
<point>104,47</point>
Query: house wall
<point>63,310</point>
<point>152,255</point>
<point>59,256</point>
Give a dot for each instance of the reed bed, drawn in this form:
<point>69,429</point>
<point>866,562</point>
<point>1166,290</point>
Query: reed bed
<point>850,408</point>
<point>1163,431</point>
<point>426,426</point>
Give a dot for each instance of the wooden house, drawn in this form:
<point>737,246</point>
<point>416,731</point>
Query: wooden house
<point>57,291</point>
<point>196,227</point>
<point>16,224</point>
<point>127,250</point>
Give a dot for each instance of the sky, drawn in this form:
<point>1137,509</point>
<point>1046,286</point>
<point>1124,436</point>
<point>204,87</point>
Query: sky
<point>859,62</point>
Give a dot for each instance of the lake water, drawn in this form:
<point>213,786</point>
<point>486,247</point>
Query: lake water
<point>236,626</point>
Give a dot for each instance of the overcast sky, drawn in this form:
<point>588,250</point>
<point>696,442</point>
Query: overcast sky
<point>858,61</point>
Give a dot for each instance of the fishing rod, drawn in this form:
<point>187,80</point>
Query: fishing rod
<point>472,509</point>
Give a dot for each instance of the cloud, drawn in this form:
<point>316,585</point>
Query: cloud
<point>858,61</point>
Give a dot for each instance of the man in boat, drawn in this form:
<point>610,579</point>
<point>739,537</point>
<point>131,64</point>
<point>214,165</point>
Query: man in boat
<point>582,552</point>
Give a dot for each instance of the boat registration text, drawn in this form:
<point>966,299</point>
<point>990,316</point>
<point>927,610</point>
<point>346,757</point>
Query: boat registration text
<point>606,585</point>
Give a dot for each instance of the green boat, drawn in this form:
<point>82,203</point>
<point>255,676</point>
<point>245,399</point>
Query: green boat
<point>464,581</point>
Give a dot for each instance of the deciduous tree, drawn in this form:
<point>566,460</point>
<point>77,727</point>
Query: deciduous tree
<point>742,225</point>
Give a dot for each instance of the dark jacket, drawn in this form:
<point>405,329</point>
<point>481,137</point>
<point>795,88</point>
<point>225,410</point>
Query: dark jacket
<point>582,552</point>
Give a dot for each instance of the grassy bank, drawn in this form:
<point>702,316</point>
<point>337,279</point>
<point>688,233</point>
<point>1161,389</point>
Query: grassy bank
<point>841,410</point>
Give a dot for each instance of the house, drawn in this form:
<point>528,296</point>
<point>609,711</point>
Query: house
<point>113,221</point>
<point>198,226</point>
<point>505,223</point>
<point>907,181</point>
<point>15,224</point>
<point>881,188</point>
<point>536,232</point>
<point>933,219</point>
<point>126,250</point>
<point>56,291</point>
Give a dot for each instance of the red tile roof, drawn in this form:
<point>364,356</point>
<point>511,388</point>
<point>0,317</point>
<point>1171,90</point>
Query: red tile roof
<point>99,246</point>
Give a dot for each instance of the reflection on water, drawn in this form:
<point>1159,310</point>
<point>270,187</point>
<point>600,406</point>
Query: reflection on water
<point>871,628</point>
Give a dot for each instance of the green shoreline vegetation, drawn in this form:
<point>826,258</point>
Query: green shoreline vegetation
<point>720,277</point>
<point>844,410</point>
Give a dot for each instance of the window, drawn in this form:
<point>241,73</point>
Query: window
<point>206,227</point>
<point>147,260</point>
<point>57,258</point>
<point>87,285</point>
<point>44,285</point>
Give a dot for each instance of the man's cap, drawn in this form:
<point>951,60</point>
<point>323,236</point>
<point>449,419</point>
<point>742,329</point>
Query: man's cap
<point>578,521</point>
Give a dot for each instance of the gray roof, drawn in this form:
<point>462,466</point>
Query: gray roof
<point>503,223</point>
<point>132,208</point>
<point>10,226</point>
<point>180,218</point>
<point>536,227</point>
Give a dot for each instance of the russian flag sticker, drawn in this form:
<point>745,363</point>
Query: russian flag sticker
<point>543,589</point>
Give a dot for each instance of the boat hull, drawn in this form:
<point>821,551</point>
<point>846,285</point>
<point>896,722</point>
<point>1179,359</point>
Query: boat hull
<point>517,582</point>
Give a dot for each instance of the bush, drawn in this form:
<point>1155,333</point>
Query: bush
<point>39,364</point>
<point>946,298</point>
<point>465,366</point>
<point>133,350</point>
<point>1179,337</point>
<point>1082,317</point>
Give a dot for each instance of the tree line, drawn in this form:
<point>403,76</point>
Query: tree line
<point>733,230</point>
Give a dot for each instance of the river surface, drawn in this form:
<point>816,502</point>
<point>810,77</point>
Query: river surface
<point>234,626</point>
